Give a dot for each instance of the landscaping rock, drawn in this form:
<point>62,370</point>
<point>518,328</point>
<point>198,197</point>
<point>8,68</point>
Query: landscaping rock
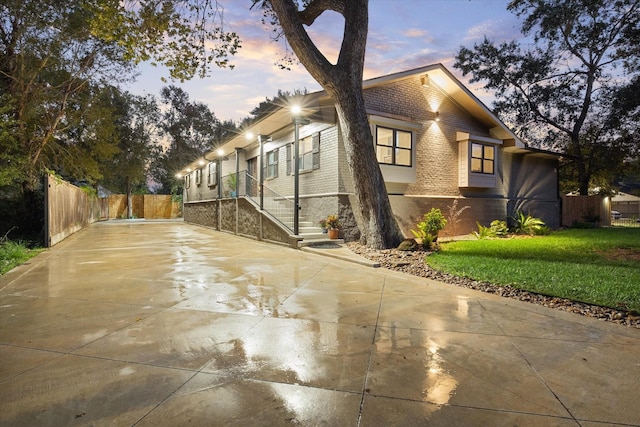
<point>412,262</point>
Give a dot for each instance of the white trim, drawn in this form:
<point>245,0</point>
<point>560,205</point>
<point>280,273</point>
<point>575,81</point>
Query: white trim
<point>396,123</point>
<point>465,136</point>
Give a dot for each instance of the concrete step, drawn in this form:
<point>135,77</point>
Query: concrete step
<point>318,240</point>
<point>310,230</point>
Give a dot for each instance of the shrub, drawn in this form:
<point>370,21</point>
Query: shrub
<point>526,224</point>
<point>497,228</point>
<point>483,232</point>
<point>433,221</point>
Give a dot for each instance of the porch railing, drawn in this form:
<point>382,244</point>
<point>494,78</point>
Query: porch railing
<point>280,207</point>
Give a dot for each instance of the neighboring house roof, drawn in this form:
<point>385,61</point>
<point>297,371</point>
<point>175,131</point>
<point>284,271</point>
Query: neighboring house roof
<point>319,106</point>
<point>624,197</point>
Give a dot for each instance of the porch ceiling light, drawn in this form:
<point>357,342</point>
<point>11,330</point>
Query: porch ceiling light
<point>249,136</point>
<point>220,152</point>
<point>201,162</point>
<point>179,175</point>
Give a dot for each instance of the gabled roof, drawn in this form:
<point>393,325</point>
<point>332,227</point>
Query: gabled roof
<point>316,103</point>
<point>457,92</point>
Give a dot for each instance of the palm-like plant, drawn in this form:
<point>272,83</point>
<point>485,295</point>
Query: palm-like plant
<point>527,224</point>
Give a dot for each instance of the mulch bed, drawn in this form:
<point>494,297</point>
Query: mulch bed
<point>412,262</point>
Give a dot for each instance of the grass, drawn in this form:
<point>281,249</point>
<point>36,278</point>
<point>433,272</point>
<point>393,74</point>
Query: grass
<point>13,254</point>
<point>597,266</point>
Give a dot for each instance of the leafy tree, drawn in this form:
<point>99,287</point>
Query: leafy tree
<point>343,82</point>
<point>134,121</point>
<point>55,55</point>
<point>577,89</point>
<point>51,51</point>
<point>191,129</point>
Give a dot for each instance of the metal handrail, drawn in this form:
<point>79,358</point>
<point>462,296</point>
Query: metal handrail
<point>280,207</point>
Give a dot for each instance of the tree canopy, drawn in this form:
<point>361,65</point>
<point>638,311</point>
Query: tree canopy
<point>53,56</point>
<point>575,88</point>
<point>190,129</point>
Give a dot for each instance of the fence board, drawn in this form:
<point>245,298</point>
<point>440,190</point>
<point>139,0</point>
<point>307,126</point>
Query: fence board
<point>158,206</point>
<point>68,209</point>
<point>580,208</point>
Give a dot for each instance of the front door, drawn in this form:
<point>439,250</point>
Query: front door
<point>252,180</point>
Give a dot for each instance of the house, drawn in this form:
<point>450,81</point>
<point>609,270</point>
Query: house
<point>436,143</point>
<point>626,206</point>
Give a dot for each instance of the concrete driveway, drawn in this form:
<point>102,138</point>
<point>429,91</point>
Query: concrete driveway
<point>168,324</point>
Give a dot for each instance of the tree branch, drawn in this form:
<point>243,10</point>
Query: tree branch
<point>316,7</point>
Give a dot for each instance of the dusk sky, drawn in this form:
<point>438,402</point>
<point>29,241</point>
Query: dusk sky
<point>403,34</point>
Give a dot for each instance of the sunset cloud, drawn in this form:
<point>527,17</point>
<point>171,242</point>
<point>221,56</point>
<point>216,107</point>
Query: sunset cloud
<point>401,36</point>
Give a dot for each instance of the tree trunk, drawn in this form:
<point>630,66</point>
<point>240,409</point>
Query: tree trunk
<point>380,229</point>
<point>343,82</point>
<point>581,169</point>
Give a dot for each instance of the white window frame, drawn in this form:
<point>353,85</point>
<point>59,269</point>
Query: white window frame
<point>271,171</point>
<point>308,154</point>
<point>212,174</point>
<point>198,176</point>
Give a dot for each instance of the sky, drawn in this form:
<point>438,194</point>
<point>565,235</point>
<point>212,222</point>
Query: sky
<point>403,34</point>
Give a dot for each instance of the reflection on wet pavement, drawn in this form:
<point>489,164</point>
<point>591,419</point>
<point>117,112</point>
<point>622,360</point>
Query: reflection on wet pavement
<point>163,323</point>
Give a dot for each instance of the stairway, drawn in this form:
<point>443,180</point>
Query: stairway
<point>311,234</point>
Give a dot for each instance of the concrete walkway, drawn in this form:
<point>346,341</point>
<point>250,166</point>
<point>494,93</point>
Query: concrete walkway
<point>168,324</point>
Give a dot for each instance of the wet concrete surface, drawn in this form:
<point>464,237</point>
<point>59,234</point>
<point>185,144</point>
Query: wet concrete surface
<point>168,324</point>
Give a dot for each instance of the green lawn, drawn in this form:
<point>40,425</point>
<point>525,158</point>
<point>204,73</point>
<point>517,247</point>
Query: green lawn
<point>13,254</point>
<point>596,266</point>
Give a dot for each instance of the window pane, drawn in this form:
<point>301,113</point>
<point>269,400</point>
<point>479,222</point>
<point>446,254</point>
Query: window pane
<point>488,152</point>
<point>488,166</point>
<point>385,136</point>
<point>301,147</point>
<point>385,155</point>
<point>403,157</point>
<point>476,150</point>
<point>476,165</point>
<point>307,161</point>
<point>404,139</point>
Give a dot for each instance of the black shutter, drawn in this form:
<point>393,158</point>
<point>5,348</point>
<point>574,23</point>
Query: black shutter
<point>276,155</point>
<point>316,151</point>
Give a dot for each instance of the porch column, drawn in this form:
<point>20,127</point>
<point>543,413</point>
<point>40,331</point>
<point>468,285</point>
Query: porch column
<point>237,189</point>
<point>219,167</point>
<point>261,139</point>
<point>297,122</point>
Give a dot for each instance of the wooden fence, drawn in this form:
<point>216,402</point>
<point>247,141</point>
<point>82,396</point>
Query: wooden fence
<point>69,209</point>
<point>148,206</point>
<point>586,209</point>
